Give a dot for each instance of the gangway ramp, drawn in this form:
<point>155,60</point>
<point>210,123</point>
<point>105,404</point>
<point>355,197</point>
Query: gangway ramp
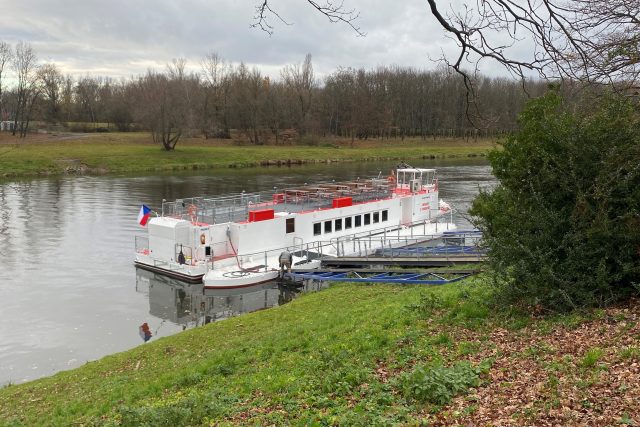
<point>445,250</point>
<point>377,276</point>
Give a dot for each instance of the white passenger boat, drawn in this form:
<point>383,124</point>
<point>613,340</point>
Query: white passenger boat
<point>239,240</point>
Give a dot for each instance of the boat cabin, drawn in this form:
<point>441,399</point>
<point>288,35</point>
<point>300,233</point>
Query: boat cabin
<point>414,180</point>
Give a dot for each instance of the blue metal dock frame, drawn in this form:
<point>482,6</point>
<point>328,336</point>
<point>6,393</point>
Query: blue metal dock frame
<point>396,277</point>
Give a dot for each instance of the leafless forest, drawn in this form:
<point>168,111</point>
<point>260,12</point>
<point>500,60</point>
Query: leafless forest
<point>223,99</point>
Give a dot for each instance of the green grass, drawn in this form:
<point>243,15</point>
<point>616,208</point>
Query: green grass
<point>352,354</point>
<point>591,357</point>
<point>630,353</point>
<point>314,361</point>
<point>133,152</point>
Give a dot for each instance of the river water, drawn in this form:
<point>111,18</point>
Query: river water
<point>69,291</point>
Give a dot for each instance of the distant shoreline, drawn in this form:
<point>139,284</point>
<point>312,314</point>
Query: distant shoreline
<point>100,154</point>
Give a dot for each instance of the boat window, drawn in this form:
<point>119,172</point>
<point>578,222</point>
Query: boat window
<point>338,224</point>
<point>367,219</point>
<point>358,220</point>
<point>291,225</point>
<point>376,217</point>
<point>317,229</point>
<point>327,226</point>
<point>385,215</point>
<point>347,223</point>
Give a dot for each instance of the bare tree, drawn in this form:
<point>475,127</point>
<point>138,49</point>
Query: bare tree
<point>6,55</point>
<point>87,93</point>
<point>393,102</point>
<point>25,66</point>
<point>215,110</point>
<point>32,96</point>
<point>119,104</point>
<point>594,41</point>
<point>274,107</point>
<point>249,95</point>
<point>67,98</point>
<point>300,83</point>
<point>187,88</point>
<point>163,105</point>
<point>335,12</point>
<point>52,81</point>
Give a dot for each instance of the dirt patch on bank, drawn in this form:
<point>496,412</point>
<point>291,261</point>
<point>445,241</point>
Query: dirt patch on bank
<point>76,167</point>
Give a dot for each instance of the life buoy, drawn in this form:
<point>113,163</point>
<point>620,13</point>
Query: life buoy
<point>391,179</point>
<point>192,210</point>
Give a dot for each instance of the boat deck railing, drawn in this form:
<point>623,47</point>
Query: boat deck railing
<point>236,207</point>
<point>361,244</point>
<point>142,245</point>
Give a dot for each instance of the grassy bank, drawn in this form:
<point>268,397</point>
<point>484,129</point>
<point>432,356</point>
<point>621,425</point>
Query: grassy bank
<point>134,152</point>
<point>359,355</point>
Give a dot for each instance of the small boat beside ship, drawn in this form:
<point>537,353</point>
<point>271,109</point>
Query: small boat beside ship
<point>244,239</point>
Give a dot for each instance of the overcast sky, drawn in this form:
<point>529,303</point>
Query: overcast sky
<point>120,38</point>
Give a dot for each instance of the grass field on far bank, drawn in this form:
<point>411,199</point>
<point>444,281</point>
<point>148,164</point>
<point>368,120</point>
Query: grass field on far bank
<point>360,355</point>
<point>135,152</point>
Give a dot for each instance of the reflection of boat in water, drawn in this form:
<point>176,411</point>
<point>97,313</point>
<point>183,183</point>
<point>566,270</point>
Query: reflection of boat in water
<point>172,300</point>
<point>237,240</point>
<point>190,304</point>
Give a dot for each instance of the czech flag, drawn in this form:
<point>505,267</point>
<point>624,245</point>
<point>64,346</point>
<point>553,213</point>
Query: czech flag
<point>143,215</point>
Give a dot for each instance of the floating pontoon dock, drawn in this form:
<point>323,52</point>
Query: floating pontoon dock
<point>449,249</point>
<point>376,276</point>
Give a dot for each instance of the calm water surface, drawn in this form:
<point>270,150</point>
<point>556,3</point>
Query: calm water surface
<point>69,291</point>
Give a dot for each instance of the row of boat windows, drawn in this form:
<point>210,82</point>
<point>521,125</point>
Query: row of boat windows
<point>349,222</point>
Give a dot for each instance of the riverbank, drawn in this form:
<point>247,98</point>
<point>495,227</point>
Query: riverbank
<point>360,355</point>
<point>42,155</point>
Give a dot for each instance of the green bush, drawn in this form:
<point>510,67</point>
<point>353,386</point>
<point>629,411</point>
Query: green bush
<point>429,303</point>
<point>191,410</point>
<point>439,384</point>
<point>563,225</point>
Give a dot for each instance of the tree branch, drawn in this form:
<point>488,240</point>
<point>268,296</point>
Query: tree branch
<point>335,12</point>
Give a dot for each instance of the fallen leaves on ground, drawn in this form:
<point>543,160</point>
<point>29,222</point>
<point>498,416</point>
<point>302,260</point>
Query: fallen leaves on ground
<point>585,374</point>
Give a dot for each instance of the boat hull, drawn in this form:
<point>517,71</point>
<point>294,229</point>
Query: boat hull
<point>170,273</point>
<point>238,279</point>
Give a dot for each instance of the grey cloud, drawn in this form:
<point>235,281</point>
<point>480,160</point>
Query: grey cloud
<point>123,38</point>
